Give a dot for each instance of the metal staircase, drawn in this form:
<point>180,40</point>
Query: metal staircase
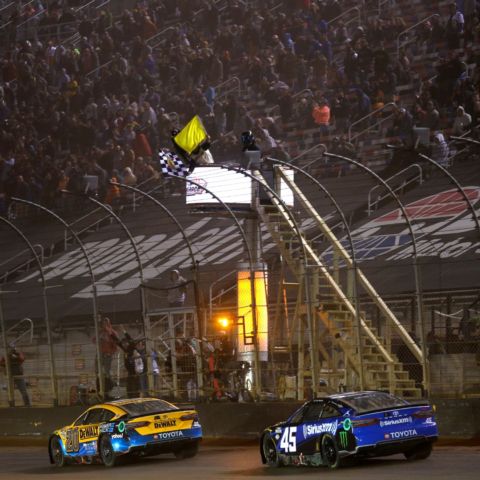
<point>366,360</point>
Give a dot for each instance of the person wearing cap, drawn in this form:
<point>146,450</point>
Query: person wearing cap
<point>177,292</point>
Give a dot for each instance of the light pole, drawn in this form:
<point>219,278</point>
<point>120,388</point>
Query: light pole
<point>101,380</point>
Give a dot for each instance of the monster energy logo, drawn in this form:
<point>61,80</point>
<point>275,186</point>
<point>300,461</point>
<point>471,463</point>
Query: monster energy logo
<point>343,439</point>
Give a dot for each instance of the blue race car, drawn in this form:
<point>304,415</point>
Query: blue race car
<point>329,430</point>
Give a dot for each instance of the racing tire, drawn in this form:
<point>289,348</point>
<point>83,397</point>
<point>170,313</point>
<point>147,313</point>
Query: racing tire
<point>270,453</point>
<point>107,454</point>
<point>419,453</point>
<point>57,456</point>
<point>329,450</point>
<point>187,452</point>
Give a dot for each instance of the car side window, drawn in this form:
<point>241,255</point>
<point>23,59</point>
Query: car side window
<point>106,415</point>
<point>313,412</point>
<point>94,416</point>
<point>81,420</point>
<point>329,411</point>
<point>297,418</point>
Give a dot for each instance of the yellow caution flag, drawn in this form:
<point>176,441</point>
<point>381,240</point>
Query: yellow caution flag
<point>192,135</point>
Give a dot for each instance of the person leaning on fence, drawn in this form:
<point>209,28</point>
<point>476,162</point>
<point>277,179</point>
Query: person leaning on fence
<point>15,360</point>
<point>177,292</point>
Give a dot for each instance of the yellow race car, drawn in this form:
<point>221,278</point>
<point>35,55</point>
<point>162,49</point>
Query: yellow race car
<point>139,426</point>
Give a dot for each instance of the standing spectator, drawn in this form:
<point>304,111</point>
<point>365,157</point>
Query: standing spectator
<point>321,116</point>
<point>108,347</point>
<point>132,361</point>
<point>15,360</point>
<point>461,122</point>
<point>455,26</point>
<point>440,149</point>
<point>142,369</point>
<point>177,292</point>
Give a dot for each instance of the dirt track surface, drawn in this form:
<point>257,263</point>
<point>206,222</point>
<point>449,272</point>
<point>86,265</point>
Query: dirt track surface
<point>241,462</point>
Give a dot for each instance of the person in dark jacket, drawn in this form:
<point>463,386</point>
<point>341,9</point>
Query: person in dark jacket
<point>15,360</point>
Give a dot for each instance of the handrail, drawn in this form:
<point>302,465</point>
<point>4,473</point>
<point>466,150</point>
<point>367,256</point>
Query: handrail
<point>158,34</point>
<point>294,97</point>
<point>26,263</point>
<point>79,9</point>
<point>371,114</point>
<point>235,80</point>
<point>98,210</point>
<point>311,149</point>
<point>210,291</point>
<point>7,6</point>
<point>358,9</point>
<point>38,14</point>
<point>414,166</point>
<point>411,28</point>
<point>29,321</point>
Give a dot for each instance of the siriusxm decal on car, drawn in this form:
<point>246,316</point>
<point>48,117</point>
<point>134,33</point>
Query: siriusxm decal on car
<point>395,421</point>
<point>330,427</point>
<point>404,434</point>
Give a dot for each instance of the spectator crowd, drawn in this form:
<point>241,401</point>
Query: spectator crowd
<point>97,93</point>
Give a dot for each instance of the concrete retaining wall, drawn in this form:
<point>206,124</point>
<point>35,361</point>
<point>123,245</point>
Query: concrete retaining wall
<point>457,419</point>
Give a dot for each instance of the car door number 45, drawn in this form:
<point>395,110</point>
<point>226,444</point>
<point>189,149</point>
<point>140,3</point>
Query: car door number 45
<point>288,442</point>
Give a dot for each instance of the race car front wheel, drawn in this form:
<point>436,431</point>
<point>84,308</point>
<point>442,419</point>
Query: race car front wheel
<point>270,452</point>
<point>107,454</point>
<point>56,452</point>
<point>330,455</point>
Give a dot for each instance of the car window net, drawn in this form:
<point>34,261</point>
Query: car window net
<point>148,407</point>
<point>374,401</point>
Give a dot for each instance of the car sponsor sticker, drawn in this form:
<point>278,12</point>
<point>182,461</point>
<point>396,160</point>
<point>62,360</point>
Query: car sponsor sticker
<point>395,421</point>
<point>168,435</point>
<point>330,427</point>
<point>88,432</point>
<point>165,423</point>
<point>399,435</point>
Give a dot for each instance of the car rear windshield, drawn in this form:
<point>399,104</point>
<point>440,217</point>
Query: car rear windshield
<point>366,402</point>
<point>148,407</point>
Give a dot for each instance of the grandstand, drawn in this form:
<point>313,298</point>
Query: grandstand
<point>90,91</point>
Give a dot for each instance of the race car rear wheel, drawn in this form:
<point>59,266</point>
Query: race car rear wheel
<point>419,453</point>
<point>107,454</point>
<point>329,449</point>
<point>56,452</point>
<point>270,452</point>
<point>187,452</point>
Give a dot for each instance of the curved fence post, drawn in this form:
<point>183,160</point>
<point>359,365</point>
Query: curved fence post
<point>101,379</point>
<point>51,357</point>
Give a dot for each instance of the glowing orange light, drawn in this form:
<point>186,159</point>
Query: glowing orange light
<point>224,322</point>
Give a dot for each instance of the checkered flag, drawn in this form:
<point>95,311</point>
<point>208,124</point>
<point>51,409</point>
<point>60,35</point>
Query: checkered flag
<point>172,165</point>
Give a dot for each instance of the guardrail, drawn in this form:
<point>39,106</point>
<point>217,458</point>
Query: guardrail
<point>366,117</point>
<point>23,265</point>
<point>419,177</point>
<point>404,32</point>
